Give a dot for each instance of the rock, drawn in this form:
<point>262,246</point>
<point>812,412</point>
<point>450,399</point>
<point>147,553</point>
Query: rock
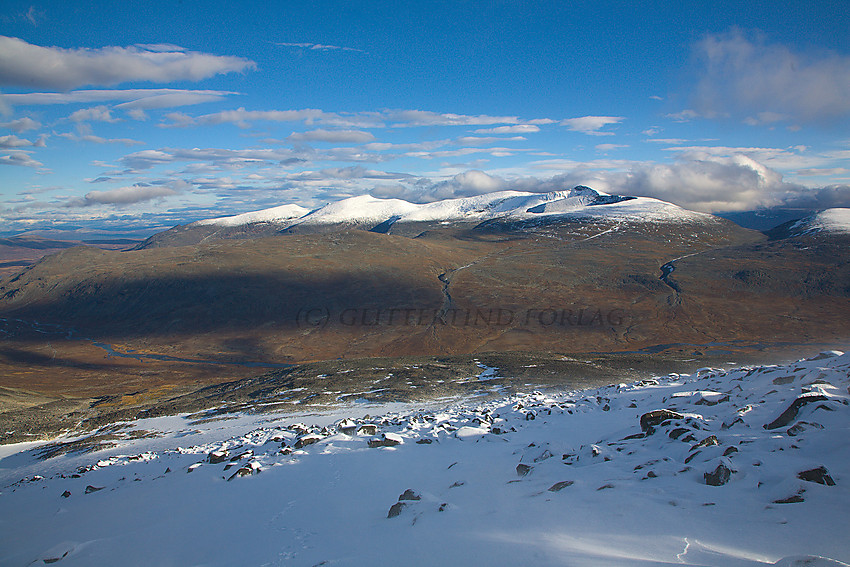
<point>790,500</point>
<point>819,475</point>
<point>309,439</point>
<point>285,451</point>
<point>719,476</point>
<point>656,417</point>
<point>66,494</point>
<point>729,451</point>
<point>241,471</point>
<point>801,426</point>
<point>409,494</point>
<point>217,457</point>
<point>560,485</point>
<point>545,455</point>
<point>348,427</point>
<point>193,467</point>
<point>90,488</point>
<point>386,440</point>
<point>707,442</point>
<point>243,455</point>
<point>522,469</point>
<point>791,411</point>
<point>678,432</point>
<point>368,429</point>
<point>424,441</point>
<point>396,509</point>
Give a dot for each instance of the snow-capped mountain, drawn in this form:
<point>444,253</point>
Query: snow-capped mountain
<point>579,202</point>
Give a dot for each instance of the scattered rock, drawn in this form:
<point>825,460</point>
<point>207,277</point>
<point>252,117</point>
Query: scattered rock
<point>819,475</point>
<point>605,486</point>
<point>729,451</point>
<point>719,476</point>
<point>424,441</point>
<point>66,494</point>
<point>90,488</point>
<point>545,455</point>
<point>457,484</point>
<point>560,485</point>
<point>409,494</point>
<point>243,455</point>
<point>522,469</point>
<point>791,411</point>
<point>193,467</point>
<point>656,417</point>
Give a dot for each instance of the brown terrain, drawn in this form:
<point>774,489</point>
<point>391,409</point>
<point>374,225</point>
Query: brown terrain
<point>104,332</point>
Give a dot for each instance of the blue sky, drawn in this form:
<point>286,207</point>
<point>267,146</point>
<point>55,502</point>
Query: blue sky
<point>134,116</point>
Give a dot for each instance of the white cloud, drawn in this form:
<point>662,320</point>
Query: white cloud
<point>609,147</point>
<point>411,118</point>
<point>123,196</point>
<point>132,98</point>
<point>88,137</point>
<point>24,64</point>
<point>479,140</point>
<point>319,47</point>
<point>591,124</point>
<point>334,136</point>
<point>685,115</point>
<point>12,141</point>
<point>97,113</point>
<point>515,129</point>
<point>749,77</point>
<point>21,125</point>
<point>19,158</point>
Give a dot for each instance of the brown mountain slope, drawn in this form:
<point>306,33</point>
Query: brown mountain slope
<point>203,312</point>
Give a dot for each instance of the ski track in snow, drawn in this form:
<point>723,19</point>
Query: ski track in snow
<point>558,478</point>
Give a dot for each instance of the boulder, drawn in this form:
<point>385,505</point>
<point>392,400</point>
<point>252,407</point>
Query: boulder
<point>368,429</point>
<point>396,509</point>
<point>386,440</point>
<point>656,417</point>
<point>217,457</point>
<point>307,440</point>
<point>409,494</point>
<point>791,411</point>
<point>522,469</point>
<point>819,475</point>
<point>719,476</point>
<point>560,485</point>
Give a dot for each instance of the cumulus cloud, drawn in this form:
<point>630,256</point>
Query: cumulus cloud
<point>480,140</point>
<point>28,65</point>
<point>764,82</point>
<point>21,125</point>
<point>12,141</point>
<point>591,124</point>
<point>334,136</point>
<point>609,147</point>
<point>122,196</point>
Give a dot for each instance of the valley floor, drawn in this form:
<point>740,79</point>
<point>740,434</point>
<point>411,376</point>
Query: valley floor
<point>748,466</point>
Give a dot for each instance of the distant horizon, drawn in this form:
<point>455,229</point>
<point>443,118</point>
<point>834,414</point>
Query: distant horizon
<point>122,121</point>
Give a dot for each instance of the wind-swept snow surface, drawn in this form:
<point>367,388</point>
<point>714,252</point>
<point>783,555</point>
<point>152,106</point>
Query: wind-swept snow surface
<point>743,467</point>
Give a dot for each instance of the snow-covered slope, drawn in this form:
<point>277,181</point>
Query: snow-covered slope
<point>745,467</point>
<point>580,202</point>
<point>830,220</point>
<point>276,215</point>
